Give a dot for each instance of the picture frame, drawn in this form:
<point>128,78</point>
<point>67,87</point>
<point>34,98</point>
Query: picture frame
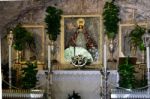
<point>93,26</point>
<point>39,34</point>
<point>124,46</point>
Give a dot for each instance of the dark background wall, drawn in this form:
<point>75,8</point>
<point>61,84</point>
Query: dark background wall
<point>33,12</point>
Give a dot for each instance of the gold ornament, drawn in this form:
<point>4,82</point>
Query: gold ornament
<point>80,22</point>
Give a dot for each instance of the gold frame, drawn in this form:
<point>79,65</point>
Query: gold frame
<point>62,35</point>
<point>121,26</point>
<point>42,27</point>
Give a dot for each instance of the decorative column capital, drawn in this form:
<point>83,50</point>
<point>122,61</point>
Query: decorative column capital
<point>10,38</point>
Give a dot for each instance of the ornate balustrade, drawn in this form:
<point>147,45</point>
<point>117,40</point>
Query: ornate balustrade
<point>130,94</point>
<point>25,94</point>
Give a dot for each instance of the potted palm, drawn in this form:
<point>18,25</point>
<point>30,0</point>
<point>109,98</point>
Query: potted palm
<point>110,21</point>
<point>52,20</point>
<point>29,76</point>
<point>126,74</point>
<point>22,39</point>
<point>136,39</point>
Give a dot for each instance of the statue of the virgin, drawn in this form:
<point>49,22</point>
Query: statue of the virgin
<point>81,37</point>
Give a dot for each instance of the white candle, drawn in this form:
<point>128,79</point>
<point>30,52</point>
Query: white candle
<point>101,85</point>
<point>49,58</point>
<point>147,53</point>
<point>10,66</point>
<point>105,57</point>
<point>101,82</point>
<point>148,65</point>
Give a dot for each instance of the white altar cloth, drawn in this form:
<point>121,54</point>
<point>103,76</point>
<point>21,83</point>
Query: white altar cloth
<point>76,72</point>
<point>86,83</point>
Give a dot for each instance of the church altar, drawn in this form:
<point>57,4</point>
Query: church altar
<point>86,83</point>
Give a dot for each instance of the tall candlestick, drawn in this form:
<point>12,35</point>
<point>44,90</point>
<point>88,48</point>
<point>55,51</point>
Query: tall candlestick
<point>10,41</point>
<point>49,72</point>
<point>101,85</point>
<point>105,70</point>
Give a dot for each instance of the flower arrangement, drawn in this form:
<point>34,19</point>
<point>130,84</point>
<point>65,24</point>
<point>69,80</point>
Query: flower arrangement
<point>79,60</point>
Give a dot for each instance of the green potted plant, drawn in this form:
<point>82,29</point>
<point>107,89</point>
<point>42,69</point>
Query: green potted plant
<point>22,39</point>
<point>126,74</point>
<point>110,21</point>
<point>136,39</point>
<point>29,79</point>
<point>52,19</point>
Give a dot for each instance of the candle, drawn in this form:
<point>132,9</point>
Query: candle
<point>49,58</point>
<point>101,85</point>
<point>10,82</point>
<point>105,57</point>
<point>101,82</point>
<point>148,66</point>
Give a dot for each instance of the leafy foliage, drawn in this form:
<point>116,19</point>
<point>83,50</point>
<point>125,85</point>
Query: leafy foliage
<point>29,76</point>
<point>52,20</point>
<point>22,38</point>
<point>136,37</point>
<point>111,19</point>
<point>126,73</point>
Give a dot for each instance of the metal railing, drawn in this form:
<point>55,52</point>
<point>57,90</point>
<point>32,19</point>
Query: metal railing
<point>25,94</point>
<point>130,94</point>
